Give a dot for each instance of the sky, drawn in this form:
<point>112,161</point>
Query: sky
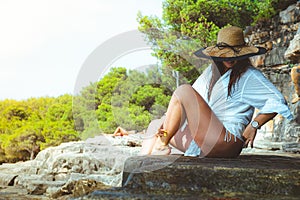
<point>45,43</point>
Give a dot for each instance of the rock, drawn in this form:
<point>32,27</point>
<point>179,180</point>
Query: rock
<point>17,193</point>
<point>54,192</point>
<point>258,61</point>
<point>7,179</point>
<point>246,177</point>
<point>78,185</point>
<point>275,57</point>
<point>73,168</point>
<point>39,187</point>
<point>76,188</point>
<point>19,167</point>
<point>296,109</point>
<point>248,30</point>
<point>82,187</point>
<point>25,180</point>
<point>295,76</point>
<point>293,147</point>
<point>291,14</point>
<point>81,184</point>
<point>293,51</point>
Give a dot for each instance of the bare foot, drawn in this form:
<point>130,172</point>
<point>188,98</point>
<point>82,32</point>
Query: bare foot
<point>148,145</point>
<point>160,148</point>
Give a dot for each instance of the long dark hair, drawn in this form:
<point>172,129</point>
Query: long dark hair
<point>218,69</point>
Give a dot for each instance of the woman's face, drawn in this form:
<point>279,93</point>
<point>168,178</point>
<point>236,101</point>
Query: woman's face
<point>229,64</point>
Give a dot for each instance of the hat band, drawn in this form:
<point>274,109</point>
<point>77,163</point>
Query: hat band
<point>236,49</point>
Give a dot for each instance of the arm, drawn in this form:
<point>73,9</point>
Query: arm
<point>260,93</point>
<point>250,132</point>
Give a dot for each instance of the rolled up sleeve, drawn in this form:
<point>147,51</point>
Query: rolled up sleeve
<point>260,93</point>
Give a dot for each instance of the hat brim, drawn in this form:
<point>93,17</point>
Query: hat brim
<point>200,53</point>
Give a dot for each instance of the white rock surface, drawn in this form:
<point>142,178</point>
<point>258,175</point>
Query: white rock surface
<point>99,159</point>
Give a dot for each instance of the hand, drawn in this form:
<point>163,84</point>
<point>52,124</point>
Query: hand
<point>249,135</point>
<point>161,132</point>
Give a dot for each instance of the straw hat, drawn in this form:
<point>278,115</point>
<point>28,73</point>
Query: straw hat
<point>230,46</point>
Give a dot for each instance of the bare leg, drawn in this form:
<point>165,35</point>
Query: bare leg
<point>182,139</point>
<point>205,127</point>
<point>175,117</point>
<point>120,132</point>
<point>123,132</point>
<point>117,131</point>
<point>150,137</point>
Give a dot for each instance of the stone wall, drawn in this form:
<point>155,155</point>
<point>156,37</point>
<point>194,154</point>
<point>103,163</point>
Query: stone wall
<point>281,37</point>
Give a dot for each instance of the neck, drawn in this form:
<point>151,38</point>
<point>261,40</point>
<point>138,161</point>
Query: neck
<point>225,70</point>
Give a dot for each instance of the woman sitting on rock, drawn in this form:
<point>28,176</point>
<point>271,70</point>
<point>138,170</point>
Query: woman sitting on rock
<point>214,117</point>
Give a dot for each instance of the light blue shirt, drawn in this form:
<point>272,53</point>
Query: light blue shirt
<point>253,90</point>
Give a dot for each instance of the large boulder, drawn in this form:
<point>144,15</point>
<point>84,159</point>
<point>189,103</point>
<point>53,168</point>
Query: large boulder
<point>73,168</point>
<point>267,177</point>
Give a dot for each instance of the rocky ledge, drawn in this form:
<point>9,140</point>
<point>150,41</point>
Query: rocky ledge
<point>177,177</point>
<point>107,167</point>
<point>69,170</point>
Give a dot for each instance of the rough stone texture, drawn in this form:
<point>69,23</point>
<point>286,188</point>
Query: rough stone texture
<point>7,179</point>
<point>275,56</point>
<point>70,169</point>
<point>77,188</point>
<point>247,177</point>
<point>25,180</point>
<point>278,35</point>
<point>290,15</point>
<point>293,51</point>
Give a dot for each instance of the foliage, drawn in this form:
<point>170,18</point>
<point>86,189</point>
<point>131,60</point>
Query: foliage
<point>188,25</point>
<point>31,125</point>
<point>130,99</point>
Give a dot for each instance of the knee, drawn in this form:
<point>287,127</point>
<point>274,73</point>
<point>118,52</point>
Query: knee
<point>185,87</point>
<point>187,93</point>
<point>184,90</point>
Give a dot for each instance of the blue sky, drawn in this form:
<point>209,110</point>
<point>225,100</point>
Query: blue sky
<point>43,43</point>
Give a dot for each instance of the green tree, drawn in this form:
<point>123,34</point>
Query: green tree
<point>93,102</point>
<point>58,123</point>
<point>188,25</point>
<point>24,143</point>
<point>31,125</point>
<point>116,108</point>
<point>130,99</point>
